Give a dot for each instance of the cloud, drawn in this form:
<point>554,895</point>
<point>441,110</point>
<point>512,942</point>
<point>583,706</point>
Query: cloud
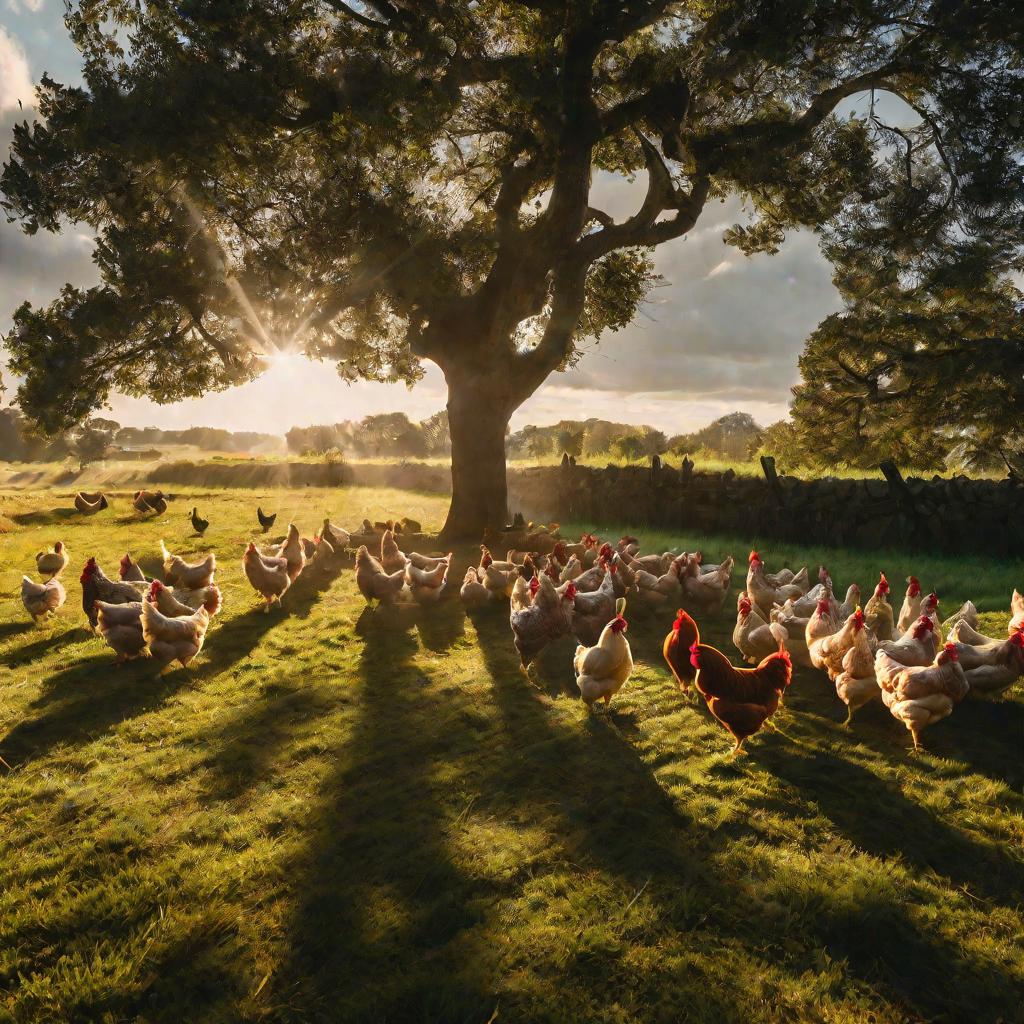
<point>17,6</point>
<point>15,80</point>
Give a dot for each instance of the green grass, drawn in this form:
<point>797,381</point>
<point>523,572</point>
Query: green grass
<point>343,816</point>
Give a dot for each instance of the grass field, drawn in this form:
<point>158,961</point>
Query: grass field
<point>338,815</point>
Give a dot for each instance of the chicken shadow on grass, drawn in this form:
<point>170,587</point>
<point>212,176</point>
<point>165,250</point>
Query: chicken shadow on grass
<point>51,637</point>
<point>9,629</point>
<point>47,517</point>
<point>376,883</point>
<point>84,701</point>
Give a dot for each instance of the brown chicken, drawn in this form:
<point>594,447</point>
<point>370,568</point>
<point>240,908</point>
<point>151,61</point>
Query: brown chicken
<point>991,666</point>
<point>910,611</point>
<point>391,557</point>
<point>88,504</point>
<point>741,699</point>
<point>291,551</point>
<point>268,576</point>
<point>191,577</point>
<point>173,639</point>
<point>676,649</point>
<point>175,603</point>
<point>130,570</point>
<point>96,586</point>
<point>120,625</point>
<point>547,619</point>
<point>918,646</point>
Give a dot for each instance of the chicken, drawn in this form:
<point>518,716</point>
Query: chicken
<point>391,558</point>
<point>374,583</point>
<point>473,593</point>
<point>921,695</point>
<point>603,669</point>
<point>676,649</point>
<point>548,618</point>
<point>176,603</point>
<point>291,551</point>
<point>265,521</point>
<point>141,504</point>
<point>828,653</point>
<point>497,577</point>
<point>878,612</point>
<point>52,563</point>
<point>89,505</point>
<point>967,612</point>
<point>754,638</point>
<point>191,577</point>
<point>589,581</point>
<point>42,599</point>
<point>427,585</point>
<point>1016,613</point>
<point>763,592</point>
<point>918,646</point>
<point>338,538</point>
<point>96,586</point>
<point>656,565</point>
<point>796,633</point>
<point>991,666</point>
<point>856,685</point>
<point>427,562</point>
<point>910,611</point>
<point>741,699</point>
<point>120,625</point>
<point>173,639</point>
<point>657,590</point>
<point>593,611</point>
<point>322,555</point>
<point>130,570</point>
<point>930,608</point>
<point>820,626</point>
<point>198,524</point>
<point>523,592</point>
<point>706,590</point>
<point>268,576</point>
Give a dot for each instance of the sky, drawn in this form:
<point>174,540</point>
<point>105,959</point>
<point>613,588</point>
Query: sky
<point>722,333</point>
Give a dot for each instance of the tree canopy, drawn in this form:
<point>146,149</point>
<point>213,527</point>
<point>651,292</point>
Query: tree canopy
<point>388,181</point>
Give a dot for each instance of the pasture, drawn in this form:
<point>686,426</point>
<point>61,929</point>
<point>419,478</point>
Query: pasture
<point>343,815</point>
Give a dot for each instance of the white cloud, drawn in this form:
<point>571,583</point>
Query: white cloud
<point>17,6</point>
<point>15,80</point>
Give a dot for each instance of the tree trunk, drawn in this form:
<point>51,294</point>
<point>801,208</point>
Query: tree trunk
<point>478,415</point>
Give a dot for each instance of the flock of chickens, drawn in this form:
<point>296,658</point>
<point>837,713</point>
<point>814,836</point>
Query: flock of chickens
<point>167,619</point>
<point>557,589</point>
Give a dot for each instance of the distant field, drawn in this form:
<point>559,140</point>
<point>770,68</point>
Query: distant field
<point>339,815</point>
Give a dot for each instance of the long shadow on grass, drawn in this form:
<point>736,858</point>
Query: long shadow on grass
<point>85,700</point>
<point>878,818</point>
<point>616,817</point>
<point>46,517</point>
<point>380,900</point>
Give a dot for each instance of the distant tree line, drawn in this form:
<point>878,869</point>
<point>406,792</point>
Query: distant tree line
<point>375,436</point>
<point>98,436</point>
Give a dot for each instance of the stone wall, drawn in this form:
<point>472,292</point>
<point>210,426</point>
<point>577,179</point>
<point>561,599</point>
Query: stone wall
<point>960,514</point>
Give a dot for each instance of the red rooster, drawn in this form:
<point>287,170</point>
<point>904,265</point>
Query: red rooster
<point>676,649</point>
<point>742,699</point>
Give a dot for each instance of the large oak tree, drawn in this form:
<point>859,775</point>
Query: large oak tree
<point>390,181</point>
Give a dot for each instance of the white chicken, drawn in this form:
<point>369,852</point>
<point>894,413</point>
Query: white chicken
<point>374,583</point>
<point>602,670</point>
<point>918,646</point>
<point>856,685</point>
<point>910,611</point>
<point>268,576</point>
<point>42,599</point>
<point>427,585</point>
<point>991,666</point>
